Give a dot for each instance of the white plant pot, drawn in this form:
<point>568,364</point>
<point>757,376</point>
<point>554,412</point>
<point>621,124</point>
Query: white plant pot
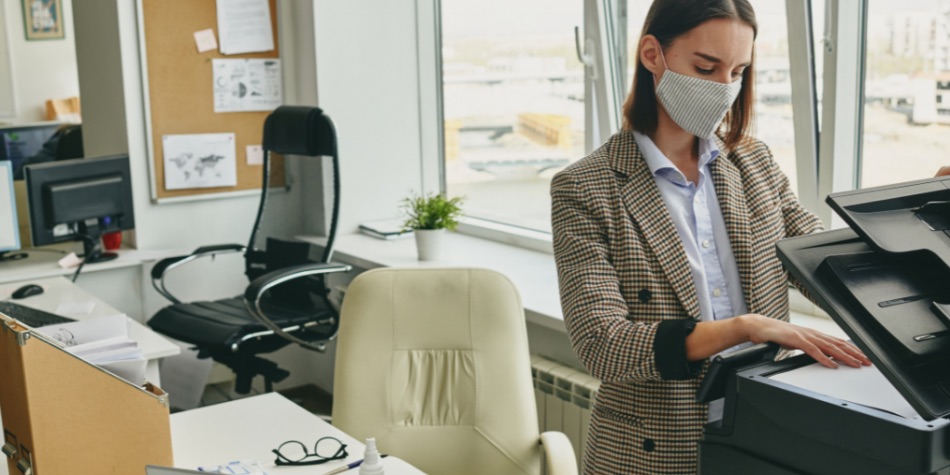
<point>429,243</point>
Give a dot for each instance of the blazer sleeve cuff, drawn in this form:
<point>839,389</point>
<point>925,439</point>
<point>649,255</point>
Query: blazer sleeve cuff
<point>669,349</point>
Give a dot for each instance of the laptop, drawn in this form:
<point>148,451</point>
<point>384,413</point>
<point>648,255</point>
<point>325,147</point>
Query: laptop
<point>156,470</point>
<point>251,468</point>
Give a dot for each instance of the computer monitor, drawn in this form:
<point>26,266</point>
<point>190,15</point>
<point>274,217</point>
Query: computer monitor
<point>18,142</point>
<point>80,199</point>
<point>9,231</point>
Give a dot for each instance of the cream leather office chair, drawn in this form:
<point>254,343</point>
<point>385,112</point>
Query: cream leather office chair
<point>434,364</point>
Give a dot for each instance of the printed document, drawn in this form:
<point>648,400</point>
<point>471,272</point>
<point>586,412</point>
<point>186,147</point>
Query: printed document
<point>244,26</point>
<point>199,161</point>
<point>243,85</point>
<point>104,342</point>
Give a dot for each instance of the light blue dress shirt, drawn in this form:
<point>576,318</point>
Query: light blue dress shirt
<point>698,220</point>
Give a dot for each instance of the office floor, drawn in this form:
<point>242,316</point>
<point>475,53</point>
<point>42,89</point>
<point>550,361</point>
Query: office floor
<point>309,397</point>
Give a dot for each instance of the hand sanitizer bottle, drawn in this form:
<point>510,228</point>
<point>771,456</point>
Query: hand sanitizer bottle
<point>372,465</point>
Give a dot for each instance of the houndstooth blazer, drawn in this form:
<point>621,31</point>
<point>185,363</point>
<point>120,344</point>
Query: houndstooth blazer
<point>622,271</point>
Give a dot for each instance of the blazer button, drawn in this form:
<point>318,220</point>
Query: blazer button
<point>648,445</point>
<point>645,295</point>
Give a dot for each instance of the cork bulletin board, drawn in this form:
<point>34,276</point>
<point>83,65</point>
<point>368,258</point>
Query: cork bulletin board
<point>180,94</point>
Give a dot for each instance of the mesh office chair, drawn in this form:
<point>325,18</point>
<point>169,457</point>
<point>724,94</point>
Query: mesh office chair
<point>287,299</point>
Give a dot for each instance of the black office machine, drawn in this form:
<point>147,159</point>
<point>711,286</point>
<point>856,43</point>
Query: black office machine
<point>886,282</point>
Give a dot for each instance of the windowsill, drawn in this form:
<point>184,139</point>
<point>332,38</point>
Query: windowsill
<point>533,272</point>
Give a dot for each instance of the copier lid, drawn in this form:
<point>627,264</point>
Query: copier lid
<point>887,300</point>
<point>902,218</point>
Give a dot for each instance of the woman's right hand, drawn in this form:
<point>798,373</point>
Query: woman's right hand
<point>818,345</point>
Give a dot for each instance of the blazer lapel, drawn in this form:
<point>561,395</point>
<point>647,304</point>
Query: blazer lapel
<point>735,213</point>
<point>645,206</point>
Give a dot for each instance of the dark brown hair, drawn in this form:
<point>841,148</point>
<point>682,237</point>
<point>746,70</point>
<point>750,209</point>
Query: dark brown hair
<point>667,20</point>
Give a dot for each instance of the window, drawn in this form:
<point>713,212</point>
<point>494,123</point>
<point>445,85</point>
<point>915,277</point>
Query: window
<point>514,104</point>
<point>906,102</point>
<point>773,87</point>
<point>516,108</point>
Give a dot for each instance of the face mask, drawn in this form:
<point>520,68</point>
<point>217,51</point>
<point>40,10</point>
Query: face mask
<point>696,105</point>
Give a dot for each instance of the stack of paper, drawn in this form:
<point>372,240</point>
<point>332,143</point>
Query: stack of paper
<point>386,229</point>
<point>103,342</point>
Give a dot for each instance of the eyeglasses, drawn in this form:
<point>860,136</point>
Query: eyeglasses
<point>294,452</point>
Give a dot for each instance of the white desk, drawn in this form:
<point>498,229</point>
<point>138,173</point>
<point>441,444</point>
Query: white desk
<point>122,282</point>
<point>250,428</point>
<point>58,290</point>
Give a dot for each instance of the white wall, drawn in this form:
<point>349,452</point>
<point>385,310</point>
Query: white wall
<point>367,82</point>
<point>42,69</point>
<point>114,122</point>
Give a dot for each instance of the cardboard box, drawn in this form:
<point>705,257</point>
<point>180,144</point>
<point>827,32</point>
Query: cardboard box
<point>63,415</point>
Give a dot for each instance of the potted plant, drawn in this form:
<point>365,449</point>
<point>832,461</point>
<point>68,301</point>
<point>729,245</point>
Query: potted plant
<point>429,216</point>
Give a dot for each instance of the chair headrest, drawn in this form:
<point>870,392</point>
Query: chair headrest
<point>299,130</point>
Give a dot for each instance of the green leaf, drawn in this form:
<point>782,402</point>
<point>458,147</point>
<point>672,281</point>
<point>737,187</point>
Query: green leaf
<point>432,211</point>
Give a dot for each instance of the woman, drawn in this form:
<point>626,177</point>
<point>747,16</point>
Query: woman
<point>667,231</point>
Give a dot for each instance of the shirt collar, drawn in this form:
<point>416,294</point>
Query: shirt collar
<point>659,165</point>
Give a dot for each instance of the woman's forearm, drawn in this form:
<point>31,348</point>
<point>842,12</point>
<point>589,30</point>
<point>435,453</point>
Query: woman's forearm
<point>710,338</point>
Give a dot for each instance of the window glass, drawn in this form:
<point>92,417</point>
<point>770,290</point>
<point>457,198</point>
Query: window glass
<point>513,95</point>
<point>773,120</point>
<point>907,91</point>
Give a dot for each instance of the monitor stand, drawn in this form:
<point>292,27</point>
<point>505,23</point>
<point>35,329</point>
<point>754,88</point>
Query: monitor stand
<point>92,253</point>
<point>92,243</point>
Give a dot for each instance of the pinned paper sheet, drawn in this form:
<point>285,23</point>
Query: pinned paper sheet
<point>199,161</point>
<point>205,40</point>
<point>245,26</point>
<point>242,85</point>
<point>255,155</point>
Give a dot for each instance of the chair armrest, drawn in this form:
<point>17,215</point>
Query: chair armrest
<point>255,291</point>
<point>558,454</point>
<point>260,285</point>
<point>163,266</point>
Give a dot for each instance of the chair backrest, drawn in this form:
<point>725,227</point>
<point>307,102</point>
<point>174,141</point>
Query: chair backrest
<point>70,143</point>
<point>434,363</point>
<point>302,131</point>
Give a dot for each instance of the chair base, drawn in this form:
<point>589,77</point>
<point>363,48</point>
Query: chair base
<point>246,367</point>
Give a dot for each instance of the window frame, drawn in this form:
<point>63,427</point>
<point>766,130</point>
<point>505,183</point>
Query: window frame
<point>842,125</point>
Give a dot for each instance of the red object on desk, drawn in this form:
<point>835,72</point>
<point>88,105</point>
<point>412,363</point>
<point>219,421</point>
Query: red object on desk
<point>112,241</point>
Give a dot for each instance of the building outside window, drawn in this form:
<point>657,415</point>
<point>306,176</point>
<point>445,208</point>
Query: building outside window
<point>513,95</point>
<point>907,97</point>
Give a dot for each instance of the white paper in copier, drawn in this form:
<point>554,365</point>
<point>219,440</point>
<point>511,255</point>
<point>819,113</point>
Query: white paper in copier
<point>866,386</point>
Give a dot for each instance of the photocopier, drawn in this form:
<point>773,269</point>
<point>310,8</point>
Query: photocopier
<point>886,283</point>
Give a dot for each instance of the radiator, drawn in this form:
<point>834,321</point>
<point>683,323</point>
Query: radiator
<point>564,397</point>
